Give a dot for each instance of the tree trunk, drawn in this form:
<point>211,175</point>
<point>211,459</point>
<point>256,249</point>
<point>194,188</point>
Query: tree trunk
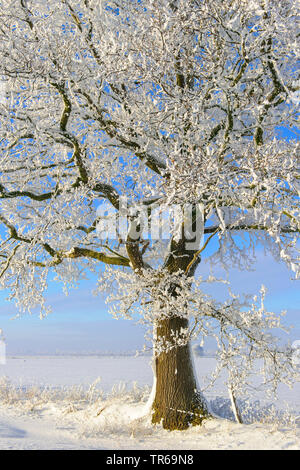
<point>177,403</point>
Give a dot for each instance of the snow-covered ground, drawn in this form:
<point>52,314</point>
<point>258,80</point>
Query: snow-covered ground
<point>90,402</point>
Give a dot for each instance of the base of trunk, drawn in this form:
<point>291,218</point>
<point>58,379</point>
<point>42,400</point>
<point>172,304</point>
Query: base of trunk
<point>177,403</point>
<point>172,419</point>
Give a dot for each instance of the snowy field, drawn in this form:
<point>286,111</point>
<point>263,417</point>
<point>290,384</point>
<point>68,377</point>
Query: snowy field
<point>100,402</point>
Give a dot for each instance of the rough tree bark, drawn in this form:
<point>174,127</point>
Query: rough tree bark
<point>177,403</point>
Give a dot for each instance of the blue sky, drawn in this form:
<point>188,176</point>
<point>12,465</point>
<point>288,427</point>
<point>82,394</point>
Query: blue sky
<point>80,323</point>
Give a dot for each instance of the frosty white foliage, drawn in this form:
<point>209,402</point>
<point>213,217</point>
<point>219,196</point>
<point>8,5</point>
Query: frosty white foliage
<point>161,102</point>
<point>241,326</point>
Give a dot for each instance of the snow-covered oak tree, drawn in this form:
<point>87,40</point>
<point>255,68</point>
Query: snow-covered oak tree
<point>167,104</point>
